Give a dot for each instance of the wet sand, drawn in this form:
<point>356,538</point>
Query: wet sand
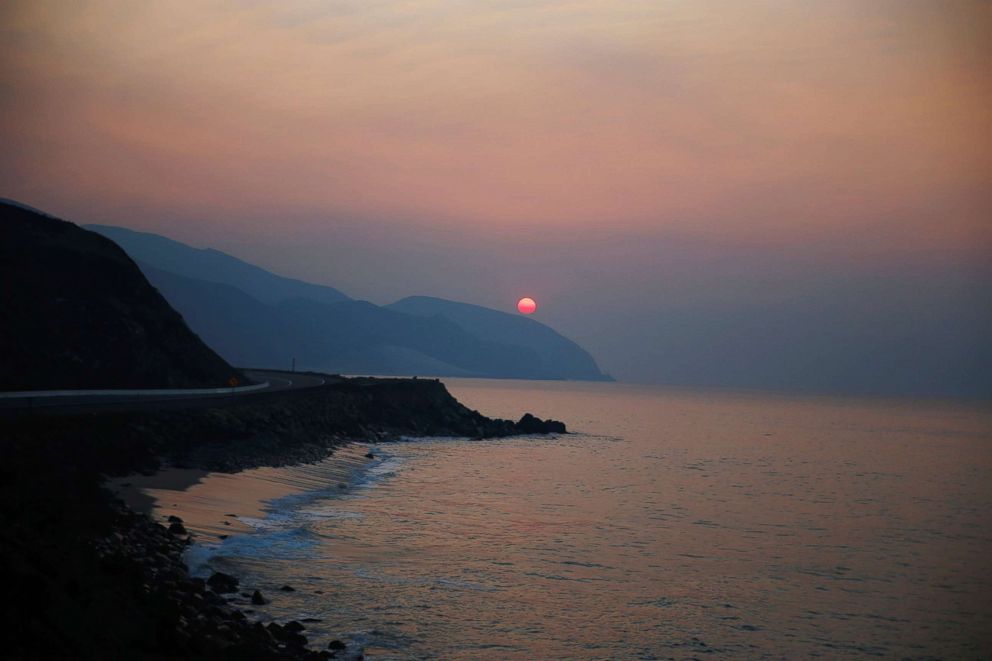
<point>215,505</point>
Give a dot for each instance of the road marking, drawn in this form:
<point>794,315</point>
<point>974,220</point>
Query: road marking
<point>158,392</point>
<point>147,392</point>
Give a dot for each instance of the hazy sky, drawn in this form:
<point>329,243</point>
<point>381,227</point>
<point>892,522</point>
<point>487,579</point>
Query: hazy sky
<point>660,176</point>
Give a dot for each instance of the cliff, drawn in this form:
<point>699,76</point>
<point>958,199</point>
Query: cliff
<point>78,313</point>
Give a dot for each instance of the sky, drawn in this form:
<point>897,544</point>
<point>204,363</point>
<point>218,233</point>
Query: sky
<point>774,194</point>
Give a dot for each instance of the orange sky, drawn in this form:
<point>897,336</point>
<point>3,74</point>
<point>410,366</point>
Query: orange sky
<point>721,193</point>
<point>768,122</point>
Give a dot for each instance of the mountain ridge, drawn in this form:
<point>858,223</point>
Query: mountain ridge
<point>213,265</point>
<point>346,337</point>
<point>517,330</point>
<point>271,320</point>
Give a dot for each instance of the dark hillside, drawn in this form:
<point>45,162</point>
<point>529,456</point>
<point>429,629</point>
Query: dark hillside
<point>78,313</point>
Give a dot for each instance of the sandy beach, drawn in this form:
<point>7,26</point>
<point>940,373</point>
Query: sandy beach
<point>216,505</point>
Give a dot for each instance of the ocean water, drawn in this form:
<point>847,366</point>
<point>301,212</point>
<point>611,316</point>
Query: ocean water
<point>671,524</point>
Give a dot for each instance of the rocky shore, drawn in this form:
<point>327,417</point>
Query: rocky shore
<point>84,577</point>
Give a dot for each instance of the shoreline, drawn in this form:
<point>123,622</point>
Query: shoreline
<point>93,579</point>
<point>212,504</point>
<point>214,507</point>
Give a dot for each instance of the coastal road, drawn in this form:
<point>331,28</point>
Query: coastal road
<point>279,380</point>
<point>55,402</point>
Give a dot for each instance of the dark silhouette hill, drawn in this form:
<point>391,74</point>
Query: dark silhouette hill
<point>214,266</point>
<point>253,317</point>
<point>78,313</point>
<point>559,355</point>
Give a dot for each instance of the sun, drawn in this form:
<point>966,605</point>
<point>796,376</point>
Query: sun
<point>527,305</point>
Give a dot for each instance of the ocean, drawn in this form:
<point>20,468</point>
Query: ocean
<point>670,524</point>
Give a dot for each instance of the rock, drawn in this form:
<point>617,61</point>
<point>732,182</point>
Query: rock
<point>258,599</point>
<point>287,588</point>
<point>174,519</point>
<point>287,635</point>
<point>221,583</point>
<point>210,597</point>
<point>530,424</point>
<point>178,529</point>
<point>369,455</point>
<point>293,626</point>
<point>336,645</point>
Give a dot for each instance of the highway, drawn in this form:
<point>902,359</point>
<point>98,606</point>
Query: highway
<point>279,380</point>
<point>59,402</point>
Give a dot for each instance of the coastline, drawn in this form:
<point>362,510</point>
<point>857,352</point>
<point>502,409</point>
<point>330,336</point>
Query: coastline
<point>219,509</point>
<point>92,578</point>
<point>215,504</point>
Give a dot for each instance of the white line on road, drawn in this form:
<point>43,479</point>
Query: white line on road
<point>27,394</point>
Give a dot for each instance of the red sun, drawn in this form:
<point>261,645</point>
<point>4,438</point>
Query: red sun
<point>527,305</point>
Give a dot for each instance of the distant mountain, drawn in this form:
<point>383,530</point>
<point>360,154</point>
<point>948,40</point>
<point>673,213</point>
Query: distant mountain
<point>214,266</point>
<point>347,337</point>
<point>78,313</point>
<point>559,355</point>
<point>256,318</point>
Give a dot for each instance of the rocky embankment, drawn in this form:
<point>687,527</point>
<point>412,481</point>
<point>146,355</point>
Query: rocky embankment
<point>84,577</point>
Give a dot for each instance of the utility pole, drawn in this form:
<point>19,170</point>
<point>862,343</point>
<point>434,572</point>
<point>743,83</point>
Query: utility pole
<point>294,364</point>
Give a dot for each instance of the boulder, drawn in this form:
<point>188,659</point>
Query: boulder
<point>221,583</point>
<point>530,424</point>
<point>177,528</point>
